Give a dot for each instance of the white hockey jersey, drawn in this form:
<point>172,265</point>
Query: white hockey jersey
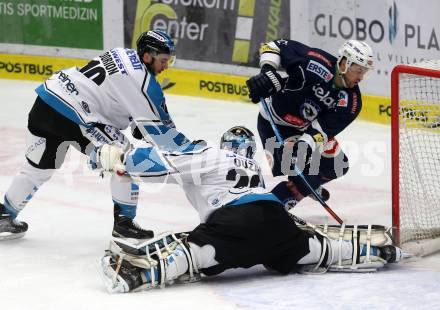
<point>210,179</point>
<point>115,89</point>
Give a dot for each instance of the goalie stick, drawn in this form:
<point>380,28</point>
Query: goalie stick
<point>297,171</point>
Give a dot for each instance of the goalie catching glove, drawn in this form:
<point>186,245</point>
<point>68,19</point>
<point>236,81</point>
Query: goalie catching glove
<point>264,84</point>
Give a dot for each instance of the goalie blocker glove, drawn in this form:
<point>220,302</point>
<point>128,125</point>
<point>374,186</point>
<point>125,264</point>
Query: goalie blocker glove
<point>264,84</point>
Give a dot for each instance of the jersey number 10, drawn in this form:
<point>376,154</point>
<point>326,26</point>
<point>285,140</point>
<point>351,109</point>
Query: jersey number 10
<point>94,72</point>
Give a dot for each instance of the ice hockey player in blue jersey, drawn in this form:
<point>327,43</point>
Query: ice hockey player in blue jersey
<point>88,106</point>
<point>242,223</point>
<point>318,99</point>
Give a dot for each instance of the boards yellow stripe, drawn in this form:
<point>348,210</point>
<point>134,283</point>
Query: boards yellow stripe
<point>175,81</point>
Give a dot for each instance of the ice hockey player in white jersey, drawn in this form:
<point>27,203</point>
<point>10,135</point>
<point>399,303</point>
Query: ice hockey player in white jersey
<point>210,177</point>
<point>85,107</point>
<point>242,224</point>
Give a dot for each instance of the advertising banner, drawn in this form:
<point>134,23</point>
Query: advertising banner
<point>217,31</point>
<point>73,24</point>
<point>35,68</point>
<point>400,32</point>
<point>204,84</point>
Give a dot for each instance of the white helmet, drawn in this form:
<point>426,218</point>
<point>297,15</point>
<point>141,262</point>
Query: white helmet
<point>357,52</point>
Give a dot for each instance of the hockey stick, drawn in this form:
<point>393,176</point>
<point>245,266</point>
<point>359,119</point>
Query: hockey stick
<point>298,172</point>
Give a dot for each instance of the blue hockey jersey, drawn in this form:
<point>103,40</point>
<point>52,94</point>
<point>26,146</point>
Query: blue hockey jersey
<point>310,101</point>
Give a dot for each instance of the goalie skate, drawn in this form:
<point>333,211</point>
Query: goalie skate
<point>120,276</point>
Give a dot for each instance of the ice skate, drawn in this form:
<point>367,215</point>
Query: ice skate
<point>9,227</point>
<point>391,253</point>
<point>125,227</point>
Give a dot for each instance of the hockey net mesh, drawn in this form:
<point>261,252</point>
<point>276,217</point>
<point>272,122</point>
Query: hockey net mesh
<point>419,155</point>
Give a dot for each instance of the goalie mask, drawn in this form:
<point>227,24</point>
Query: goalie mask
<point>240,140</point>
<point>156,42</point>
<point>356,52</point>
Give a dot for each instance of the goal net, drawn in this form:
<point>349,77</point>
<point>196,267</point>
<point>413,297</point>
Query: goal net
<point>415,126</point>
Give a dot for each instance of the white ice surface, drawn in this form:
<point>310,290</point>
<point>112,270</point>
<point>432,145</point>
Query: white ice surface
<point>70,219</point>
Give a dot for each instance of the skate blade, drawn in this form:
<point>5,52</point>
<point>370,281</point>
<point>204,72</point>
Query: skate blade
<point>11,236</point>
<point>116,235</point>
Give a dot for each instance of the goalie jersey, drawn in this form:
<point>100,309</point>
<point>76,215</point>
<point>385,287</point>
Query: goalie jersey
<point>310,102</point>
<point>115,89</point>
<point>210,179</point>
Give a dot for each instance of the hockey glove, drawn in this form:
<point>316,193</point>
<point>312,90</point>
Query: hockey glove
<point>264,84</point>
<point>111,158</point>
<point>287,193</point>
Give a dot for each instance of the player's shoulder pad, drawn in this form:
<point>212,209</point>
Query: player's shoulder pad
<point>349,101</point>
<point>322,57</point>
<point>269,47</point>
<point>270,54</point>
<point>318,63</point>
<point>132,60</point>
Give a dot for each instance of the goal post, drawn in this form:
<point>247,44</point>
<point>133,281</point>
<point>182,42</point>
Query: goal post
<point>415,140</point>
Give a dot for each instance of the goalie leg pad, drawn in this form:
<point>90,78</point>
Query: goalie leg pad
<point>353,249</point>
<point>154,263</point>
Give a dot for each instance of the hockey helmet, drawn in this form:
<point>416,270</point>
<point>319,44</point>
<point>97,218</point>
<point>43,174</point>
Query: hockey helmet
<point>156,42</point>
<point>357,52</point>
<point>239,140</point>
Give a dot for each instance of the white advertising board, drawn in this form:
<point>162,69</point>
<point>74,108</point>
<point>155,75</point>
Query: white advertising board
<point>399,31</point>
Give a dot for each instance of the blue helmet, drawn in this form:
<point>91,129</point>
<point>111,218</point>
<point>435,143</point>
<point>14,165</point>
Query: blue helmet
<point>240,140</point>
<point>155,42</point>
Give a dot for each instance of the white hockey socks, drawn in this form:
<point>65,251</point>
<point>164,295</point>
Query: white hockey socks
<point>24,185</point>
<point>125,193</point>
